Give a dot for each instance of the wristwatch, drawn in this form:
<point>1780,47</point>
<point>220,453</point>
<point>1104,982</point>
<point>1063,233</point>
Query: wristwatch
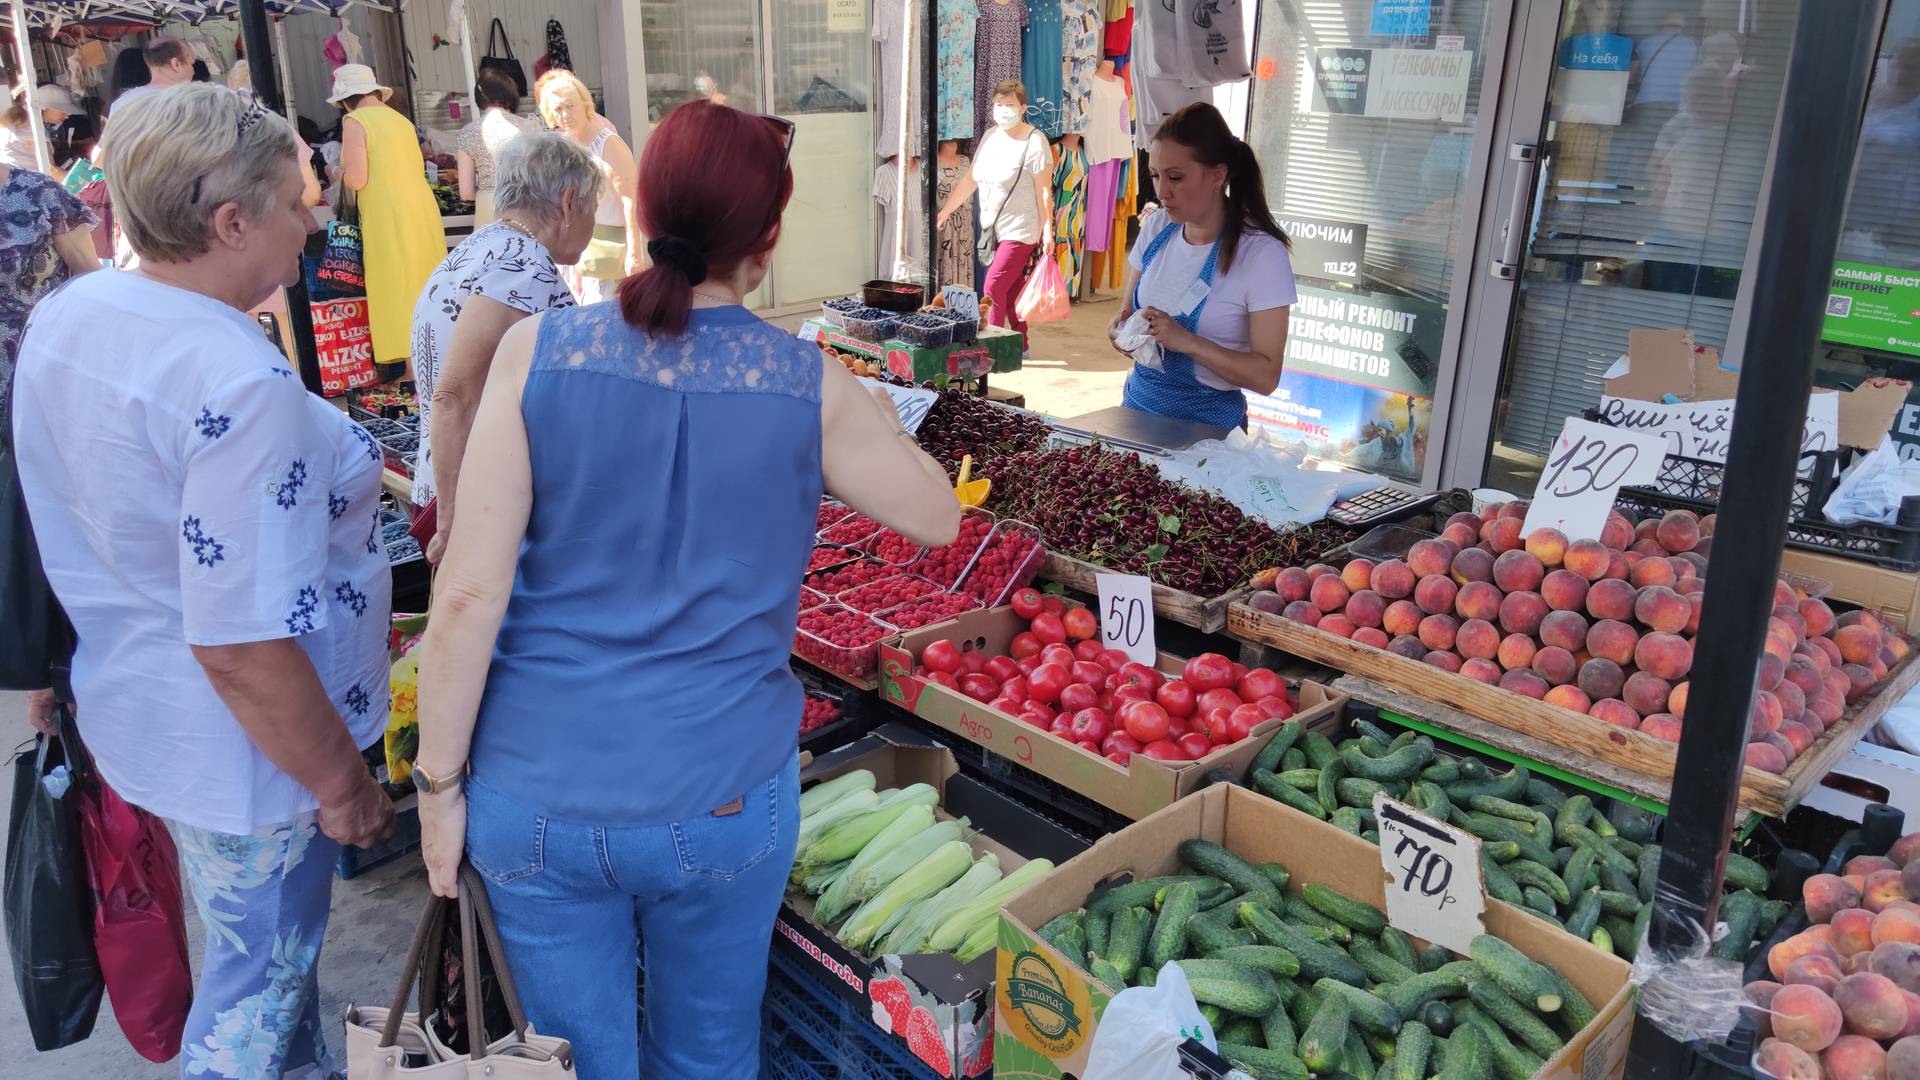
<point>427,784</point>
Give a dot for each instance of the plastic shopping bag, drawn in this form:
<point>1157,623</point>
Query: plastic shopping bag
<point>139,919</point>
<point>49,909</point>
<point>1045,298</point>
<point>1871,490</point>
<point>1140,1034</point>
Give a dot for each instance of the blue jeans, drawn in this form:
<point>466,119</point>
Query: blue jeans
<point>701,893</point>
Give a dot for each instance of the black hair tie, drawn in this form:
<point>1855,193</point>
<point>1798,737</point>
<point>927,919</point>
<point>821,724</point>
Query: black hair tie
<point>680,255</point>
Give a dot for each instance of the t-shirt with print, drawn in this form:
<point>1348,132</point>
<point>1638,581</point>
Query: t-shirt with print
<point>1005,164</point>
<point>498,262</point>
<point>1260,279</point>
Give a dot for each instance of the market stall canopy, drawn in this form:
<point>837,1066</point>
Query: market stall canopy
<point>54,14</point>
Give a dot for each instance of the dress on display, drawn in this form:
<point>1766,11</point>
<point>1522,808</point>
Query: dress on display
<point>886,189</point>
<point>956,236</point>
<point>399,227</point>
<point>1040,66</point>
<point>958,20</point>
<point>1070,212</point>
<point>1080,34</point>
<point>996,54</point>
<point>889,22</point>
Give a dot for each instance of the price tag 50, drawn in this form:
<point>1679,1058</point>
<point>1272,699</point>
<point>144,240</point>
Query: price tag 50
<point>1434,886</point>
<point>1126,616</point>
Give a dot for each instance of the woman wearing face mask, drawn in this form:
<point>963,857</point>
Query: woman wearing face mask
<point>1012,171</point>
<point>1211,274</point>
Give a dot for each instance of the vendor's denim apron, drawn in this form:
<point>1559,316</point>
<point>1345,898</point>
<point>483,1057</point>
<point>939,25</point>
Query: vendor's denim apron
<point>1172,389</point>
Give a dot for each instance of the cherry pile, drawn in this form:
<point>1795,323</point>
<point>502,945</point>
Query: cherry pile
<point>885,593</point>
<point>929,609</point>
<point>1115,510</point>
<point>944,565</point>
<point>826,555</point>
<point>817,713</point>
<point>840,579</point>
<point>854,529</point>
<point>1010,559</point>
<point>961,423</point>
<point>840,640</point>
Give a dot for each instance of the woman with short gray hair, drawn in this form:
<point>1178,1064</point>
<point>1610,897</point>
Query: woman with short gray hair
<point>212,530</point>
<point>545,190</point>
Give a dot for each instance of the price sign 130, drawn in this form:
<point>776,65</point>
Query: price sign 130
<point>1434,887</point>
<point>1585,470</point>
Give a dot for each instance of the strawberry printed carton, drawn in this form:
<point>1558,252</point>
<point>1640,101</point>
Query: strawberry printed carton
<point>939,1008</point>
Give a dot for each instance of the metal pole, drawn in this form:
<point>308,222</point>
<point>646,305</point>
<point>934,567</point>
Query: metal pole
<point>1819,127</point>
<point>257,31</point>
<point>23,51</point>
<point>466,58</point>
<point>899,245</point>
<point>930,168</point>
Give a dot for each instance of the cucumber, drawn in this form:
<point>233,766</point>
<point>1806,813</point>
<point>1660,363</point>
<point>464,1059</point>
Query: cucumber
<point>1542,791</point>
<point>1370,730</point>
<point>1613,879</point>
<point>1640,923</point>
<point>1344,909</point>
<point>1741,912</point>
<point>1499,884</point>
<point>1354,791</point>
<point>1632,822</point>
<point>1507,785</point>
<point>1410,996</point>
<point>1233,995</point>
<point>1145,976</point>
<point>1348,820</point>
<point>1213,1015</point>
<point>1435,957</point>
<point>1137,893</point>
<point>1488,827</point>
<point>1242,1030</point>
<point>1561,856</point>
<point>1283,739</point>
<point>1602,939</point>
<point>1437,1017</point>
<point>1467,1056</point>
<point>1072,943</point>
<point>1604,829</point>
<point>1430,799</point>
<point>1168,941</point>
<point>1621,931</point>
<point>1620,843</point>
<point>1525,979</point>
<point>1402,764</point>
<point>1581,836</point>
<point>1098,924</point>
<point>1317,961</point>
<point>1320,751</point>
<point>1357,1061</point>
<point>1744,873</point>
<point>1276,874</point>
<point>1771,914</point>
<point>1586,915</point>
<point>1218,897</point>
<point>1280,791</point>
<point>1649,871</point>
<point>1368,1013</point>
<point>1527,872</point>
<point>1328,791</point>
<point>1271,959</point>
<point>1210,858</point>
<point>1127,940</point>
<point>1058,924</point>
<point>1379,967</point>
<point>1304,779</point>
<point>1575,1009</point>
<point>1443,771</point>
<point>1501,851</point>
<point>1473,768</point>
<point>1575,811</point>
<point>1210,895</point>
<point>1107,973</point>
<point>1506,808</point>
<point>1515,1017</point>
<point>1400,947</point>
<point>1538,902</point>
<point>1623,905</point>
<point>1292,759</point>
<point>1228,970</point>
<point>1579,871</point>
<point>1510,1062</point>
<point>1323,1045</point>
<point>1208,934</point>
<point>1263,1063</point>
<point>1410,1052</point>
<point>1276,1030</point>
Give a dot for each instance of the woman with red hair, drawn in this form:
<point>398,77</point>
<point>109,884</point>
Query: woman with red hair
<point>607,716</point>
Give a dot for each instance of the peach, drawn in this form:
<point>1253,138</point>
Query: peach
<point>1366,608</point>
<point>1826,895</point>
<point>1646,529</point>
<point>1883,888</point>
<point>1478,600</point>
<point>1329,593</point>
<point>1860,617</point>
<point>1903,1059</point>
<point>1816,970</point>
<point>1587,559</point>
<point>1852,931</point>
<point>1303,612</point>
<point>1518,571</point>
<point>1516,509</point>
<point>1828,706</point>
<point>1669,656</point>
<point>1769,671</point>
<point>1445,661</point>
<point>1566,629</point>
<point>1292,584</point>
<point>1611,599</point>
<point>1899,922</point>
<point>1792,701</point>
<point>1617,533</point>
<point>1408,646</point>
<point>1465,517</point>
<point>1613,641</point>
<point>1547,545</point>
<point>1766,758</point>
<point>1783,593</point>
<point>1472,564</point>
<point>1853,1057</point>
<point>1649,549</point>
<point>1516,651</point>
<point>1789,616</point>
<point>1679,530</point>
<point>1683,570</point>
<point>1798,735</point>
<point>1569,697</point>
<point>1435,594</point>
<point>1601,678</point>
<point>1860,679</point>
<point>1904,849</point>
<point>1660,725</point>
<point>1858,643</point>
<point>1778,1059</point>
<point>1806,1018</point>
<point>1438,631</point>
<point>1650,572</point>
<point>1463,534</point>
<point>1337,625</point>
<point>1556,665</point>
<point>1691,586</point>
<point>1857,963</point>
<point>1805,943</point>
<point>1484,670</point>
<point>1768,706</point>
<point>1564,590</point>
<point>1816,615</point>
<point>1897,960</point>
<point>1646,693</point>
<point>1759,994</point>
<point>1781,743</point>
<point>1371,636</point>
<point>1677,699</point>
<point>1393,580</point>
<point>1872,1004</point>
<point>1697,603</point>
<point>1401,617</point>
<point>1477,639</point>
<point>1357,574</point>
<point>1522,612</point>
<point>1707,524</point>
<point>1868,864</point>
<point>1812,723</point>
<point>1502,535</point>
<point>1910,879</point>
<point>1832,651</point>
<point>1662,609</point>
<point>1319,570</point>
<point>1429,557</point>
<point>1619,567</point>
<point>1811,652</point>
<point>1524,682</point>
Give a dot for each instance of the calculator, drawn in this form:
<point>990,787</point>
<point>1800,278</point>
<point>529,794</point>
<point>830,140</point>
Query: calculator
<point>1379,504</point>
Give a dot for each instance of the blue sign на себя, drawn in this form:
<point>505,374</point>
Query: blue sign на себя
<point>1401,18</point>
<point>1597,52</point>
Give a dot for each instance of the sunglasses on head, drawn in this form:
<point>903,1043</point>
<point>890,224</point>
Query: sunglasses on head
<point>785,127</point>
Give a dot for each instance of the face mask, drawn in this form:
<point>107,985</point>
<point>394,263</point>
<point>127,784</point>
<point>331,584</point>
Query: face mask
<point>1006,115</point>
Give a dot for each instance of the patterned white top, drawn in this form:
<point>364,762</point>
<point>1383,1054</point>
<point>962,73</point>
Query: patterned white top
<point>498,262</point>
<point>187,491</point>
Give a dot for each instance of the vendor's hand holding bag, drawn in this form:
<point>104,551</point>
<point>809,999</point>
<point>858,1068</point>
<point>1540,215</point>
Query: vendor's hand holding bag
<point>392,1042</point>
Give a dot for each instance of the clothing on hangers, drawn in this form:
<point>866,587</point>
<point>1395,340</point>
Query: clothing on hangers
<point>1080,57</point>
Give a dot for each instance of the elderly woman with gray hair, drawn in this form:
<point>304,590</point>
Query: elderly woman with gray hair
<point>545,190</point>
<point>212,530</point>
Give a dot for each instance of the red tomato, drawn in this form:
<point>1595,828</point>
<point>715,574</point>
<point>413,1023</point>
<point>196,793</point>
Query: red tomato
<point>1118,740</point>
<point>1209,671</point>
<point>1218,698</point>
<point>1027,665</point>
<point>1062,726</point>
<point>1091,748</point>
<point>941,656</point>
<point>1053,605</point>
<point>1058,654</point>
<point>1078,696</point>
<point>1080,624</point>
<point>1024,645</point>
<point>1091,674</point>
<point>1213,724</point>
<point>1239,672</point>
<point>1089,651</point>
<point>980,686</point>
<point>972,663</point>
<point>1144,720</point>
<point>1277,707</point>
<point>944,679</point>
<point>1091,726</point>
<point>1166,750</point>
<point>1195,744</point>
<point>1046,682</point>
<point>1126,696</point>
<point>1002,667</point>
<point>1148,679</point>
<point>1026,603</point>
<point>1113,659</point>
<point>1122,758</point>
<point>1038,719</point>
<point>1016,688</point>
<point>1176,697</point>
<point>1106,700</point>
<point>1258,683</point>
<point>1242,721</point>
<point>1049,629</point>
<point>1034,708</point>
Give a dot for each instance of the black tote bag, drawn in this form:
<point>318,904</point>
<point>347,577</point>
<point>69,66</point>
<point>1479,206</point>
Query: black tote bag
<point>500,57</point>
<point>49,905</point>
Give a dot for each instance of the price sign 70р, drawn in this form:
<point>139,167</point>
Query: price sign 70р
<point>1585,469</point>
<point>1434,887</point>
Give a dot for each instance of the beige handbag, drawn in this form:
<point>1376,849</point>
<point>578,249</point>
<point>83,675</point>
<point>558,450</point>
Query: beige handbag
<point>391,1042</point>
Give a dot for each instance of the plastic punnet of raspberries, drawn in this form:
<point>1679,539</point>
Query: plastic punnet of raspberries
<point>886,593</point>
<point>944,565</point>
<point>840,639</point>
<point>930,609</point>
<point>924,1039</point>
<point>1009,561</point>
<point>855,529</point>
<point>830,514</point>
<point>826,555</point>
<point>891,547</point>
<point>895,1001</point>
<point>852,575</point>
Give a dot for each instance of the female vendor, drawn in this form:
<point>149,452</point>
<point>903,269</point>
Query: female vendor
<point>1211,274</point>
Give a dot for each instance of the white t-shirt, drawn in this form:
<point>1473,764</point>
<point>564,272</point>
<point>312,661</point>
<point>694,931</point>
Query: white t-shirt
<point>1260,279</point>
<point>187,490</point>
<point>1004,164</point>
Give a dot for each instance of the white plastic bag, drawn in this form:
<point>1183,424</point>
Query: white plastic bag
<point>1870,491</point>
<point>1140,1034</point>
<point>1211,42</point>
<point>1133,339</point>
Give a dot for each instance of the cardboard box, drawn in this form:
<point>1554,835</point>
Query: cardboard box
<point>956,997</point>
<point>1047,1009</point>
<point>1891,591</point>
<point>1135,790</point>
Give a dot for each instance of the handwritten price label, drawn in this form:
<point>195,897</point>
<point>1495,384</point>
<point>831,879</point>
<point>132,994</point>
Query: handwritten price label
<point>911,403</point>
<point>1434,887</point>
<point>1126,616</point>
<point>1585,470</point>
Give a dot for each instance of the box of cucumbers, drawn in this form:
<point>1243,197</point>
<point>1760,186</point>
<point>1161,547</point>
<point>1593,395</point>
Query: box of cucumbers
<point>1276,919</point>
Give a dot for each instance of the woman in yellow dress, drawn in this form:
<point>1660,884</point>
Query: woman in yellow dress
<point>400,229</point>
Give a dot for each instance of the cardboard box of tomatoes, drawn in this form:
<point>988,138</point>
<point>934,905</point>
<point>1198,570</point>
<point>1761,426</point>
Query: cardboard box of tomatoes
<point>1132,738</point>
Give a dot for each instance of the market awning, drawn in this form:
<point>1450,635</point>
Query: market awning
<point>53,14</point>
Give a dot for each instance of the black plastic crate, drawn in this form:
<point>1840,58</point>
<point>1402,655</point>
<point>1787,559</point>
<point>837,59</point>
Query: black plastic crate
<point>808,1033</point>
<point>859,712</point>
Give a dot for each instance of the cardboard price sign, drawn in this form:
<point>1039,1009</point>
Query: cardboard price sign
<point>1434,887</point>
<point>1584,472</point>
<point>912,403</point>
<point>1126,616</point>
